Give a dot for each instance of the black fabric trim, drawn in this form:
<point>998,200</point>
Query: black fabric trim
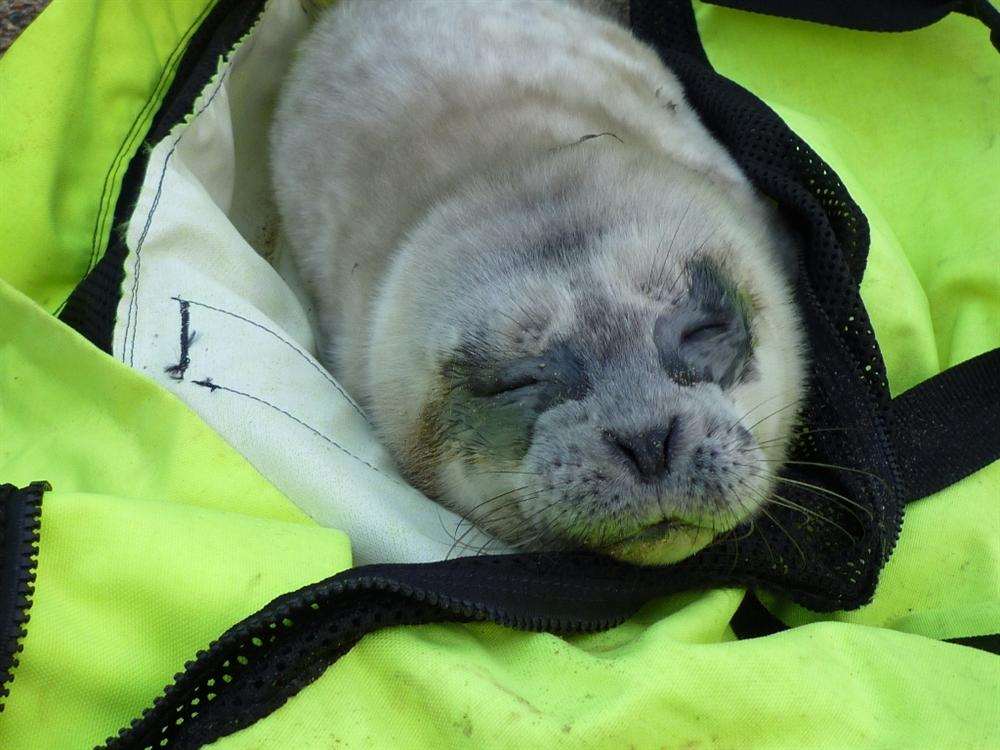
<point>944,429</point>
<point>874,15</point>
<point>989,15</point>
<point>990,643</point>
<point>92,307</point>
<point>753,620</point>
<point>20,521</point>
<point>947,427</point>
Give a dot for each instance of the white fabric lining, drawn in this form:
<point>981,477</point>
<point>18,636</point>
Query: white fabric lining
<point>205,315</point>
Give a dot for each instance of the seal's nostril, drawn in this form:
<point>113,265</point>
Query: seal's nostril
<point>648,452</point>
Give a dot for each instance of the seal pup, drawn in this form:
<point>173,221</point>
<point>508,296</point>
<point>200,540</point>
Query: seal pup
<point>561,303</point>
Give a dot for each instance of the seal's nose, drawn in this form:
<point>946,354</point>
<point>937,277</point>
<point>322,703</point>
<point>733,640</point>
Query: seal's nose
<point>648,453</point>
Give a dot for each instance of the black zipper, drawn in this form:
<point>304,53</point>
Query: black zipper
<point>20,520</point>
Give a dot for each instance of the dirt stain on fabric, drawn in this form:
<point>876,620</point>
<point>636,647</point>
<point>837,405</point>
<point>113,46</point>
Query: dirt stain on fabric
<point>465,725</point>
<point>521,700</point>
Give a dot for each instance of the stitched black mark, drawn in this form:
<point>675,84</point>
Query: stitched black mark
<point>177,371</point>
<point>212,386</point>
<point>137,267</point>
<point>207,383</point>
<point>287,343</point>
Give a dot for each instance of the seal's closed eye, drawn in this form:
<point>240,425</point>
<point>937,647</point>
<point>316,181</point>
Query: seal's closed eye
<point>706,330</point>
<point>558,371</point>
<point>499,382</point>
<point>706,337</point>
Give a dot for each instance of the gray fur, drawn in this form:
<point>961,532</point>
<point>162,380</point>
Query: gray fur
<point>517,302</point>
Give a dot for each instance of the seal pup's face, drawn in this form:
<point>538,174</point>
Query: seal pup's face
<point>608,369</point>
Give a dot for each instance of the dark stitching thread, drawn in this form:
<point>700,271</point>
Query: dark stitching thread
<point>207,383</point>
<point>137,266</point>
<point>115,167</point>
<point>288,343</point>
<point>212,386</point>
<point>177,371</point>
<point>105,206</point>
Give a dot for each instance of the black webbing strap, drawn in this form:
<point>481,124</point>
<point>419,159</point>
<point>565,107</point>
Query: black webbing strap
<point>943,430</point>
<point>753,620</point>
<point>874,15</point>
<point>948,427</point>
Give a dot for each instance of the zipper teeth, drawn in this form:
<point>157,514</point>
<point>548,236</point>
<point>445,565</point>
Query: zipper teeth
<point>19,533</point>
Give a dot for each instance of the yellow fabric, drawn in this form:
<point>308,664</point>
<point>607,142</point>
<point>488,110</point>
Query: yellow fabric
<point>157,537</point>
<point>79,89</point>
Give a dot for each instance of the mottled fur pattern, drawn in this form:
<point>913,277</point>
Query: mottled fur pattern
<point>477,191</point>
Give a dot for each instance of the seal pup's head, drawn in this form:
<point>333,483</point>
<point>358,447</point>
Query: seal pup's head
<point>596,349</point>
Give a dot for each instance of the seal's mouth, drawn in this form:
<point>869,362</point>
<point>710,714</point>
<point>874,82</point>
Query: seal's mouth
<point>659,530</point>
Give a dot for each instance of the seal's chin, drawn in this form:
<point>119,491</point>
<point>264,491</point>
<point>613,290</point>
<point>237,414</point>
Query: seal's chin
<point>662,543</point>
